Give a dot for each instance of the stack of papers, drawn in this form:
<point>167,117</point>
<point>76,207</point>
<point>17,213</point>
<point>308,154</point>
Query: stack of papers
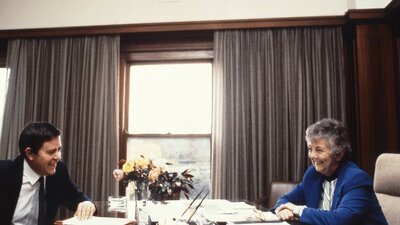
<point>215,210</point>
<point>240,212</point>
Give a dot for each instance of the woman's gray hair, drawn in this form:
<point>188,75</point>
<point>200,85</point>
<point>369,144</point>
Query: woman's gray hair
<point>334,132</point>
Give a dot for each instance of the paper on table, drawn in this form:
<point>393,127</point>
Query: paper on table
<point>98,221</point>
<point>261,223</point>
<point>244,216</point>
<point>239,205</point>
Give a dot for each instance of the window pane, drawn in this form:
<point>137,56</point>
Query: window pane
<point>3,93</point>
<point>170,98</point>
<point>183,153</point>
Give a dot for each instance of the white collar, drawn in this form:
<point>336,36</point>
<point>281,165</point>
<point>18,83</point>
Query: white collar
<point>30,175</point>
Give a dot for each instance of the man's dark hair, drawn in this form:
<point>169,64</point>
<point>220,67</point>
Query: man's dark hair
<point>35,134</point>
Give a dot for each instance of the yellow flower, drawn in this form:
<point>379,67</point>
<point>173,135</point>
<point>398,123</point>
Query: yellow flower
<point>154,173</point>
<point>142,163</point>
<point>128,166</point>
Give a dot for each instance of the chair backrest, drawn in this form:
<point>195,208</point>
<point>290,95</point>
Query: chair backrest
<point>277,189</point>
<point>387,185</point>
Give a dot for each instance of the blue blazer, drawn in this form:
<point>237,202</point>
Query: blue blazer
<point>60,190</point>
<point>354,200</point>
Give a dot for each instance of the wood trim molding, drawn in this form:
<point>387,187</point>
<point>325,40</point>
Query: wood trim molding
<point>168,56</point>
<point>169,135</point>
<point>178,41</point>
<point>176,26</point>
<point>365,14</point>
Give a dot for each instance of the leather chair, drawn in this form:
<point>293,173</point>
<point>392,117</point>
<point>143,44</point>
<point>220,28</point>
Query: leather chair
<point>387,186</point>
<point>275,190</point>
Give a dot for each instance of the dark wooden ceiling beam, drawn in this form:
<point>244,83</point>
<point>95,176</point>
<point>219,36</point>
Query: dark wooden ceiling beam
<point>176,26</point>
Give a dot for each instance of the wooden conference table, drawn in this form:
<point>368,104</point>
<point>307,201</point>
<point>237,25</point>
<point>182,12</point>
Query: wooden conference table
<point>219,211</point>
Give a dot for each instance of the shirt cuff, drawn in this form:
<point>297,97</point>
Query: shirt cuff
<point>298,210</point>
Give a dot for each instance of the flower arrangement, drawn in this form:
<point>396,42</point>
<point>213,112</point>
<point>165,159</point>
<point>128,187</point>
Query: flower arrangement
<point>162,184</point>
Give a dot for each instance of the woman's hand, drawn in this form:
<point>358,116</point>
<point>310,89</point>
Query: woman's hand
<point>285,212</point>
<point>288,205</point>
<point>118,174</point>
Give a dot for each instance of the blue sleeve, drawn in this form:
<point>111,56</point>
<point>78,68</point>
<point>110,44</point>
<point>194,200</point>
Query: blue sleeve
<point>355,201</point>
<point>296,196</point>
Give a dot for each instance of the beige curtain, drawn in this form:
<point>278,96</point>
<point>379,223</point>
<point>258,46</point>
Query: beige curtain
<point>72,83</point>
<point>269,85</point>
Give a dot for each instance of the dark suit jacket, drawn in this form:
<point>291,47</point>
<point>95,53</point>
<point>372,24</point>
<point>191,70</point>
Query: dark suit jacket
<point>60,190</point>
<point>354,200</point>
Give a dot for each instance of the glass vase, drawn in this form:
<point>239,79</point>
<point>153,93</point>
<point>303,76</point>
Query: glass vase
<point>142,195</point>
<point>130,192</point>
<point>142,190</point>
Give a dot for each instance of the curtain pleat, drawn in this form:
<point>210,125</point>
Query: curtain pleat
<point>268,86</point>
<point>72,83</point>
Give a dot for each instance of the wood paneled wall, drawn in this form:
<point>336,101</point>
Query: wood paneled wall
<point>375,85</point>
<point>393,13</point>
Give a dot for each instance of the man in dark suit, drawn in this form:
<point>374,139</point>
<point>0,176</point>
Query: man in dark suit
<point>36,183</point>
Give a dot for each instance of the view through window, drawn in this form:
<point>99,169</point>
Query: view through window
<point>3,93</point>
<point>170,117</point>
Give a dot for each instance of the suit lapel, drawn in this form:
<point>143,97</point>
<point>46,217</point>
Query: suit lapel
<point>338,187</point>
<point>16,181</point>
<point>315,192</point>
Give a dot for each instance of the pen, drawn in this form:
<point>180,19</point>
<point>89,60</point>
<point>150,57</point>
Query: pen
<point>195,210</point>
<point>193,201</point>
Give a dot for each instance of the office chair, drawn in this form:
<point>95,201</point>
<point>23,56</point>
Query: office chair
<point>275,190</point>
<point>387,186</point>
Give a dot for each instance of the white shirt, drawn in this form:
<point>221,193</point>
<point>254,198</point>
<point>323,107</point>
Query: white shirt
<point>27,209</point>
<point>327,194</point>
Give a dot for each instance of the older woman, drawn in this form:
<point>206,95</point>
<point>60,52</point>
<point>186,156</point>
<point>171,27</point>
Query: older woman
<point>333,190</point>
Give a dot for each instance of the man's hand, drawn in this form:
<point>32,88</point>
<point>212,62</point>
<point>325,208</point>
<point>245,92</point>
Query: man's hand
<point>118,174</point>
<point>285,212</point>
<point>85,210</point>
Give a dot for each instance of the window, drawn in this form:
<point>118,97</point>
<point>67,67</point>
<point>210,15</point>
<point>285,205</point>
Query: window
<point>3,92</point>
<point>170,98</point>
<point>169,116</point>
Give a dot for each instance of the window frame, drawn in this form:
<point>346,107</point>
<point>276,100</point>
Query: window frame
<point>156,48</point>
<point>3,52</point>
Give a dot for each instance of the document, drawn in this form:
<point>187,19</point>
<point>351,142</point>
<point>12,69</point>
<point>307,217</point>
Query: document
<point>261,223</point>
<point>98,221</point>
<point>242,215</point>
<point>265,218</point>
